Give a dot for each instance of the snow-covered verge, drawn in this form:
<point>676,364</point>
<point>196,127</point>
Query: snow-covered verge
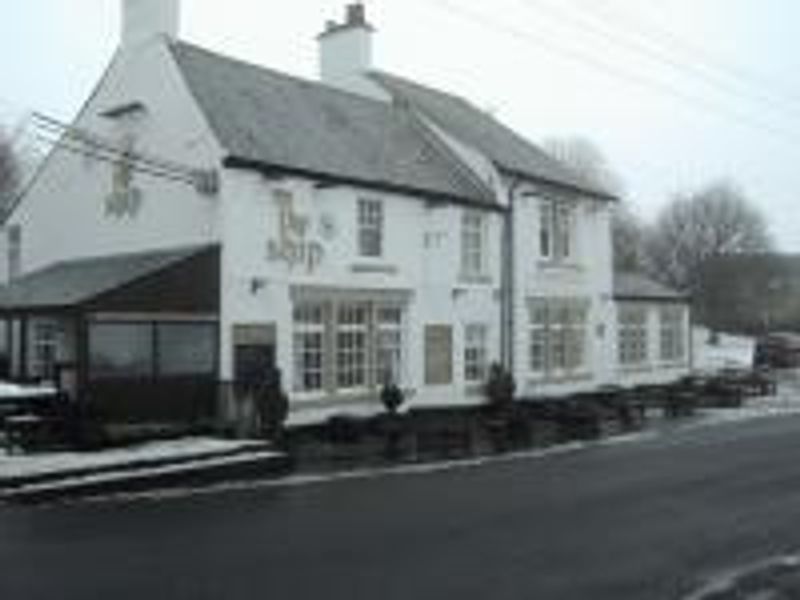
<point>13,390</point>
<point>31,465</point>
<point>730,351</point>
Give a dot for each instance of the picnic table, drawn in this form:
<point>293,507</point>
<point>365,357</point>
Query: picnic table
<point>30,417</point>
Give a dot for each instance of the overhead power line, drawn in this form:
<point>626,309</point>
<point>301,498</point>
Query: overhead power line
<point>577,56</point>
<point>62,136</point>
<point>645,47</point>
<point>650,30</point>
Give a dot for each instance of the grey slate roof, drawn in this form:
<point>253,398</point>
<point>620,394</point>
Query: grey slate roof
<point>510,151</point>
<point>272,119</point>
<point>635,286</point>
<point>71,283</point>
<point>280,121</point>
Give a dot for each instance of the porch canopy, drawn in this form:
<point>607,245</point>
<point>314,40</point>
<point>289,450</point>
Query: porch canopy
<point>134,335</point>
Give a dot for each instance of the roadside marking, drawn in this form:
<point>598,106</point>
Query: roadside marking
<point>758,581</point>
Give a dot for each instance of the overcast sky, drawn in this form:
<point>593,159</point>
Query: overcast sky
<point>675,92</point>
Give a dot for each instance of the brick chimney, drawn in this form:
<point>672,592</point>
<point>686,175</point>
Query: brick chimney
<point>145,19</point>
<point>345,52</point>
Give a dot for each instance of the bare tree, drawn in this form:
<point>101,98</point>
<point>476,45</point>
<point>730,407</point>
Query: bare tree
<point>717,220</point>
<point>587,160</point>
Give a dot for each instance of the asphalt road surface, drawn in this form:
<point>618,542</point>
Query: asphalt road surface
<point>651,519</point>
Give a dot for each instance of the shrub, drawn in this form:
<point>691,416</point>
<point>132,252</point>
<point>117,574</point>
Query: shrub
<point>392,398</point>
<point>500,388</point>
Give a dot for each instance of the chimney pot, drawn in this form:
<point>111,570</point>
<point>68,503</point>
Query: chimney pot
<point>144,19</point>
<point>356,15</point>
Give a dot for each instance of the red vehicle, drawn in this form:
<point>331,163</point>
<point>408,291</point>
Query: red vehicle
<point>777,351</point>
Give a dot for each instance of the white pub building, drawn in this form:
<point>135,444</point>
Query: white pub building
<point>204,216</point>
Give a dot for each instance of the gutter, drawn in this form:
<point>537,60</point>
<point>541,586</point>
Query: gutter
<point>508,281</point>
<point>277,171</point>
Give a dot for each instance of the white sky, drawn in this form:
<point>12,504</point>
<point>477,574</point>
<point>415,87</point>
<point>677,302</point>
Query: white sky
<point>594,68</point>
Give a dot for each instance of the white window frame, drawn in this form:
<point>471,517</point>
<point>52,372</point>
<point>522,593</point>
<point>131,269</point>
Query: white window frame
<point>672,338</point>
<point>309,342</point>
<point>370,227</point>
<point>474,244</point>
<point>556,231</point>
<point>389,344</point>
<point>46,345</point>
<point>476,352</point>
<point>352,347</point>
<point>558,336</point>
<point>632,338</point>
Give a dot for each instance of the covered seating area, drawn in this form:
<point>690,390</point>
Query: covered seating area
<point>131,338</point>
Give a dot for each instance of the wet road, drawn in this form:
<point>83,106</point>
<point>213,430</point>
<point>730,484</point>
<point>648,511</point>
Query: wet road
<point>636,521</point>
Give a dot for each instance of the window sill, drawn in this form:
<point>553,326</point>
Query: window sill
<point>473,388</point>
<point>558,265</point>
<point>373,268</point>
<point>475,279</point>
<point>557,378</point>
<point>674,364</point>
<point>636,369</point>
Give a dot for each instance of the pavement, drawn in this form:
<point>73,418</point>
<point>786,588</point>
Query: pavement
<point>663,517</point>
<point>46,477</point>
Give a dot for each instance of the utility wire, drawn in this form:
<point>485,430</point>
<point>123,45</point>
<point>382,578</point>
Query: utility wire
<point>747,75</point>
<point>583,58</point>
<point>62,144</point>
<point>708,75</point>
<point>98,142</point>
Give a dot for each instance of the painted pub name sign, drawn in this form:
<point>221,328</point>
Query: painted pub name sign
<point>292,245</point>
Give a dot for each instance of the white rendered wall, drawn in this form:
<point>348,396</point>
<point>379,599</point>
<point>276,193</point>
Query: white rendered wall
<point>345,57</point>
<point>64,214</point>
<point>144,19</point>
<point>587,275</point>
<point>421,257</point>
<point>655,370</point>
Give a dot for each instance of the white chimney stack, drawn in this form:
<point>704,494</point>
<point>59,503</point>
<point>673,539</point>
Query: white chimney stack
<point>145,19</point>
<point>345,53</point>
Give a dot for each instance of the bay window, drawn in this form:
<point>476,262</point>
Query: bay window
<point>673,344</point>
<point>351,346</point>
<point>347,345</point>
<point>558,336</point>
<point>309,330</point>
<point>632,335</point>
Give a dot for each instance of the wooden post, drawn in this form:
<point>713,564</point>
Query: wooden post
<point>81,357</point>
<point>23,348</point>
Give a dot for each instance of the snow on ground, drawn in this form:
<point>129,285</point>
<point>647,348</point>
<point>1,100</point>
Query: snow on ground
<point>12,390</point>
<point>730,352</point>
<point>29,465</point>
<point>152,472</point>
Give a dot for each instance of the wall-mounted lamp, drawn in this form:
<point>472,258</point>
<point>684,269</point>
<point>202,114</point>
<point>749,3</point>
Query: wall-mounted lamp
<point>257,284</point>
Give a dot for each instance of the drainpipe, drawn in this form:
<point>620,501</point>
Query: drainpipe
<point>507,286</point>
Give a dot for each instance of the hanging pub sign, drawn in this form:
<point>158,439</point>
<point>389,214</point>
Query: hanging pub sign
<point>125,199</point>
<point>293,245</point>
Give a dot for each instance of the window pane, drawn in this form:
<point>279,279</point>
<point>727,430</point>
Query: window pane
<point>473,244</point>
<point>186,349</point>
<point>121,350</point>
<point>370,227</point>
<point>308,347</point>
